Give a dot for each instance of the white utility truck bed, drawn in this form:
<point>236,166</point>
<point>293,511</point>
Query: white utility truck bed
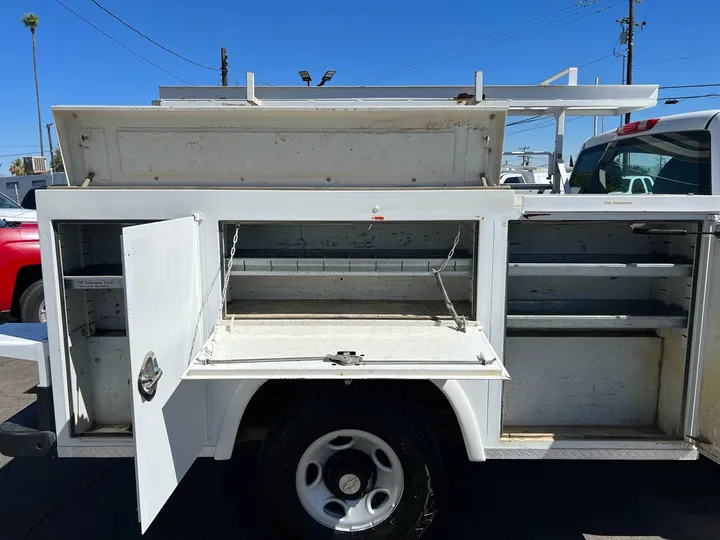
<point>337,271</point>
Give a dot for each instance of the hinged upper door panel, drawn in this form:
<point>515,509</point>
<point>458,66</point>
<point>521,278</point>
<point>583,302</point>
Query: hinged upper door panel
<point>347,350</point>
<point>455,145</point>
<point>160,263</point>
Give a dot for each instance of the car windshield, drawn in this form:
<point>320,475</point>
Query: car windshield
<point>668,163</point>
<point>7,202</point>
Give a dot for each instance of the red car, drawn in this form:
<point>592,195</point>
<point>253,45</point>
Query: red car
<point>21,291</point>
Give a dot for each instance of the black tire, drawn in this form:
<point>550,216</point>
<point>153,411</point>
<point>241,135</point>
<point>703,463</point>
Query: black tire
<point>298,427</point>
<point>31,300</point>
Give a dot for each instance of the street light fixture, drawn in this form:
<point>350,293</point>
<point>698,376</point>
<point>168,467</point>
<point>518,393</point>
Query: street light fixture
<point>328,75</point>
<point>305,76</point>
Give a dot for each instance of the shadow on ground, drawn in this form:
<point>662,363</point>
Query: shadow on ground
<point>91,499</point>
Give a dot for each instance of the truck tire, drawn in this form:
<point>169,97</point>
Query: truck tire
<point>32,304</point>
<point>349,471</point>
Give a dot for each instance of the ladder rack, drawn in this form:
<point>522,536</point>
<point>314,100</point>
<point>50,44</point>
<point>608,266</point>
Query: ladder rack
<point>518,100</point>
<point>541,99</point>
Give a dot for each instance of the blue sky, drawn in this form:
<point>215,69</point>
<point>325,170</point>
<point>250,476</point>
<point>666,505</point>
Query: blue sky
<point>378,42</point>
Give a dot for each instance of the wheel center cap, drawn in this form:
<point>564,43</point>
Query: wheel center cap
<point>349,484</point>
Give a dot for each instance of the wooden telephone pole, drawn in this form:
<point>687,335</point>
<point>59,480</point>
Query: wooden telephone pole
<point>52,155</point>
<point>224,66</point>
<point>628,23</point>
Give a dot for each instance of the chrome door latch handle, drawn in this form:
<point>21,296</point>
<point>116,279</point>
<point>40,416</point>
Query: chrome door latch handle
<point>149,377</point>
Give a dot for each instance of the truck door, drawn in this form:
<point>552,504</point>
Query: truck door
<point>163,309</point>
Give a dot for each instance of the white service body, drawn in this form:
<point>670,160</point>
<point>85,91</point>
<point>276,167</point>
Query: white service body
<point>582,339</point>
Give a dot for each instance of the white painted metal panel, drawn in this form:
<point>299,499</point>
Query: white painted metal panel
<point>110,379</point>
<point>275,153</point>
<point>268,147</point>
<point>28,341</point>
<point>570,381</point>
<point>161,270</point>
<point>298,350</point>
<point>708,425</point>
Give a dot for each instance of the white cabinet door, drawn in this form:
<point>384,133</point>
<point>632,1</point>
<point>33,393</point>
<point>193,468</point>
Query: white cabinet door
<point>163,305</point>
<point>708,415</point>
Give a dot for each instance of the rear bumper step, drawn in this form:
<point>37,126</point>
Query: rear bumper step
<point>17,440</point>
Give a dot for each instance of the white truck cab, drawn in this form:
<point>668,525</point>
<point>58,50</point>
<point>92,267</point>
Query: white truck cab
<point>339,273</point>
<point>669,155</point>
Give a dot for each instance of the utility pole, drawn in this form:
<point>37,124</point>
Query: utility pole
<point>52,155</point>
<point>224,66</point>
<point>628,36</point>
<point>595,118</point>
<point>525,157</point>
<point>631,35</point>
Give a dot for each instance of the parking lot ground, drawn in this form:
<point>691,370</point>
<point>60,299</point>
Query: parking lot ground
<point>80,499</point>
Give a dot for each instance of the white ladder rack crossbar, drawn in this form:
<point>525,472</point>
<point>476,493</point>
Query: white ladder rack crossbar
<point>542,99</point>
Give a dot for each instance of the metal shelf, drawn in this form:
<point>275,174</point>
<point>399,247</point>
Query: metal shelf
<point>594,315</point>
<point>101,276</point>
<point>385,263</point>
<point>598,266</point>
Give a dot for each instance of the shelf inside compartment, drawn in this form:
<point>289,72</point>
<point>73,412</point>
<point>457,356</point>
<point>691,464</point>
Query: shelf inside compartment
<point>598,265</point>
<point>344,309</point>
<point>358,262</point>
<point>594,314</point>
<point>99,276</point>
<point>554,433</point>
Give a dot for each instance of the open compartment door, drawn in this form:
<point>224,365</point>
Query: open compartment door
<point>355,349</point>
<point>708,413</point>
<point>163,305</point>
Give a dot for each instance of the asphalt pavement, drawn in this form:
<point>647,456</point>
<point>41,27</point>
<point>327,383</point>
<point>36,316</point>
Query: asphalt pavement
<point>79,499</point>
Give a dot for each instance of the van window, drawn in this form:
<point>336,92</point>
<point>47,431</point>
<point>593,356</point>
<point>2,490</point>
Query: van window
<point>668,163</point>
<point>513,180</point>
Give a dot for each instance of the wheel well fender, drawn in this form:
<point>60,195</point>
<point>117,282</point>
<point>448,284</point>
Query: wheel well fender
<point>465,414</point>
<point>225,442</point>
<point>248,402</point>
<point>26,276</point>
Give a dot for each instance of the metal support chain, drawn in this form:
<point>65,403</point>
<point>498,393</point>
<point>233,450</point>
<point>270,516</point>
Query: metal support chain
<point>206,352</point>
<point>459,320</point>
<point>223,299</point>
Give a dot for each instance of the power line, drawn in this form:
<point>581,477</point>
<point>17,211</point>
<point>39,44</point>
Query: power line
<point>652,6</point>
<point>700,96</point>
<point>16,154</point>
<point>551,20</point>
<point>525,121</point>
<point>690,86</point>
<point>677,59</point>
<point>597,60</point>
<point>494,40</point>
<point>548,124</point>
<point>123,45</point>
<point>138,32</point>
<point>17,146</point>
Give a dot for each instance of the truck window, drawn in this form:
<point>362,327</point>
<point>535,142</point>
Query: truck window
<point>671,163</point>
<point>7,202</point>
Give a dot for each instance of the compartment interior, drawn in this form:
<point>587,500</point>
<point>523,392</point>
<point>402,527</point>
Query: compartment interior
<point>598,319</point>
<point>349,270</point>
<point>95,316</point>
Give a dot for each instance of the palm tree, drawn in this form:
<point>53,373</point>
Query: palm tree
<point>30,20</point>
<point>17,168</point>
